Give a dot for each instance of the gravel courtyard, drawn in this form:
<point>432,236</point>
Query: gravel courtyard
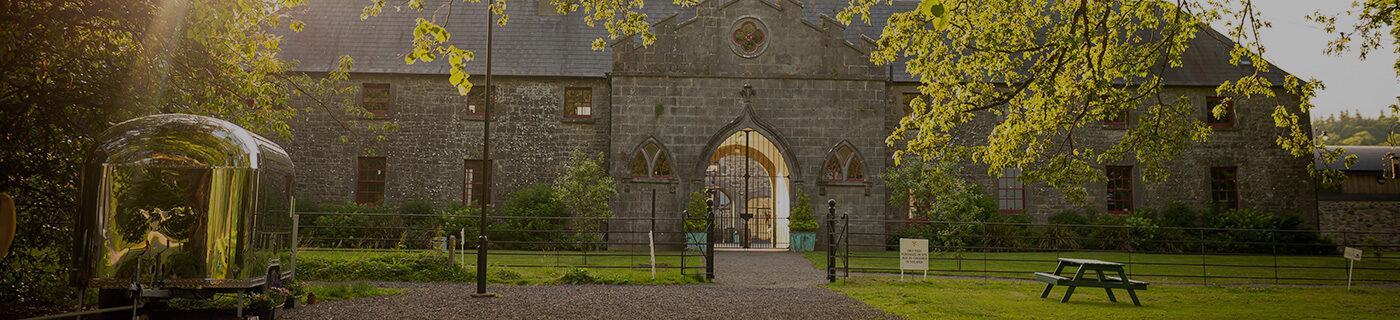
<point>748,286</point>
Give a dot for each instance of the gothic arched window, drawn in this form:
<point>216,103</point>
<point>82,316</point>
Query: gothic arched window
<point>844,165</point>
<point>651,162</point>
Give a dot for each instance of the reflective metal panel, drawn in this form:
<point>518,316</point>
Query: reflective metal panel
<point>183,201</point>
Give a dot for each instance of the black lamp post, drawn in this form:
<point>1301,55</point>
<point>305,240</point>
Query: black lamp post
<point>482,241</point>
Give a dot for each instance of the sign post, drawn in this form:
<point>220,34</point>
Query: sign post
<point>651,243</point>
<point>913,255</point>
<point>1353,255</point>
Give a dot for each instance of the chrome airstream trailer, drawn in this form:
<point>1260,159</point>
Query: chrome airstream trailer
<point>178,205</point>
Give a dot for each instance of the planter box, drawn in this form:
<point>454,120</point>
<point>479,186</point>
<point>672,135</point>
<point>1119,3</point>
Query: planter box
<point>802,241</point>
<point>696,241</point>
<point>267,314</point>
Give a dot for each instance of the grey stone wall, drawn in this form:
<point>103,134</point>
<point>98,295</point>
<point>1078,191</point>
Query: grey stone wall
<point>1351,223</point>
<point>1269,178</point>
<point>811,90</point>
<point>426,153</point>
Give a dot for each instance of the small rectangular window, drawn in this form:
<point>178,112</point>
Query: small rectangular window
<point>1225,120</point>
<point>473,182</point>
<point>1224,191</point>
<point>1118,120</point>
<point>476,101</point>
<point>578,102</point>
<point>1120,189</point>
<point>369,189</point>
<point>1011,193</point>
<point>375,98</point>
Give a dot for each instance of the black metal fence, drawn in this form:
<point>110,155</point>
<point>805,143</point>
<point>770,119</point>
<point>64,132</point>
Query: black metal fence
<point>520,241</point>
<point>1162,254</point>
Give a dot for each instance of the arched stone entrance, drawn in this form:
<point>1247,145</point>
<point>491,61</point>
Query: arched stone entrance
<point>750,180</point>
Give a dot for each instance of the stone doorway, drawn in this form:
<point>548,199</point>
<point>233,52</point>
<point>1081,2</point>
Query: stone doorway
<point>750,181</point>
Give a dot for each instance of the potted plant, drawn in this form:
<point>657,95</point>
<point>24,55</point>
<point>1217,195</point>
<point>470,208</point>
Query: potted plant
<point>695,222</point>
<point>297,289</point>
<point>802,228</point>
<point>265,305</point>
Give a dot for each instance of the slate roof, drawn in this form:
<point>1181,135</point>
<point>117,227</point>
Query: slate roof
<point>541,45</point>
<point>1368,158</point>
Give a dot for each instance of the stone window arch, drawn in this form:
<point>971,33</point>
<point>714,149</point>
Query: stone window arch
<point>843,163</point>
<point>651,161</point>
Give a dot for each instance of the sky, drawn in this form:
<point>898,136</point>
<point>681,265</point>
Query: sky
<point>1295,44</point>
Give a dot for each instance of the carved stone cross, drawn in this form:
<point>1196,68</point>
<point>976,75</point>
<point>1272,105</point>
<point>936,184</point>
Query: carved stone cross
<point>747,93</point>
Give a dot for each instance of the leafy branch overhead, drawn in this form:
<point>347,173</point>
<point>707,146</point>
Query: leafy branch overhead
<point>1048,72</point>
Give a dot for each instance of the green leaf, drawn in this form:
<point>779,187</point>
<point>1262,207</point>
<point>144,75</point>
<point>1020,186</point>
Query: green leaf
<point>297,26</point>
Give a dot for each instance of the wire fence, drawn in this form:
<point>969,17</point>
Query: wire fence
<point>1162,254</point>
<point>527,242</point>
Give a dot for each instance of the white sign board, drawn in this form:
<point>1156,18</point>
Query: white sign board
<point>1352,253</point>
<point>913,254</point>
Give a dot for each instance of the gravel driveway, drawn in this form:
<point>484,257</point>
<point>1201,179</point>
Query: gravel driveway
<point>747,286</point>
<point>709,301</point>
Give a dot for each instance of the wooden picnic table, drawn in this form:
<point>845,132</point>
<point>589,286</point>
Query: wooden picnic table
<point>1098,267</point>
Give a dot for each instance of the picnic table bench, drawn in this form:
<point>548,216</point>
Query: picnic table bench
<point>1108,283</point>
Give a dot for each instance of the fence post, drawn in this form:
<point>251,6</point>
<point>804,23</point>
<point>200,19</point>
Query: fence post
<point>296,242</point>
<point>710,239</point>
<point>846,246</point>
<point>1131,247</point>
<point>1273,241</point>
<point>1204,275</point>
<point>685,238</point>
<point>831,240</point>
<point>451,251</point>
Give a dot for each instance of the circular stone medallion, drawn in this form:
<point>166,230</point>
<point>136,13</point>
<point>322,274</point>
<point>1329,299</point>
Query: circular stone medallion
<point>749,38</point>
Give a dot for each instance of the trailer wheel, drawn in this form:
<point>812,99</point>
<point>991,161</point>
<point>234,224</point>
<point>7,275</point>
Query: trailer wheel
<point>107,298</point>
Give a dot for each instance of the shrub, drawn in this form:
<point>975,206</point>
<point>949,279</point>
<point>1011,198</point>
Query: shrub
<point>533,202</point>
<point>584,188</point>
<point>696,219</point>
<point>1245,231</point>
<point>801,218</point>
<point>583,276</point>
<point>460,219</point>
<point>418,267</point>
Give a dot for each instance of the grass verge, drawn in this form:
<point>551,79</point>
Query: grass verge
<point>505,267</point>
<point>342,291</point>
<point>962,299</point>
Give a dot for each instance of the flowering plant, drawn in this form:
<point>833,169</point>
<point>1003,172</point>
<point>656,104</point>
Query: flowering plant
<point>272,298</point>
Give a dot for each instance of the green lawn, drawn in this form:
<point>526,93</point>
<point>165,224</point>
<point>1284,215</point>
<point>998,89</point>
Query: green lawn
<point>343,291</point>
<point>539,267</point>
<point>1156,268</point>
<point>963,298</point>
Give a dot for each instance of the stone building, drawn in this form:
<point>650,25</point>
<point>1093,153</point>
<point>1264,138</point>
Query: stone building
<point>1364,210</point>
<point>776,86</point>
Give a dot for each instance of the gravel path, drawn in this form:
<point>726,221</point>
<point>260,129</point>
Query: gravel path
<point>710,301</point>
<point>766,269</point>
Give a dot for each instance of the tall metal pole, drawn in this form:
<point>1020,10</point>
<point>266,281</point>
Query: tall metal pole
<point>747,215</point>
<point>486,169</point>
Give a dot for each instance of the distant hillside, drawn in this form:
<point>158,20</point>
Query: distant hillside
<point>1353,129</point>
